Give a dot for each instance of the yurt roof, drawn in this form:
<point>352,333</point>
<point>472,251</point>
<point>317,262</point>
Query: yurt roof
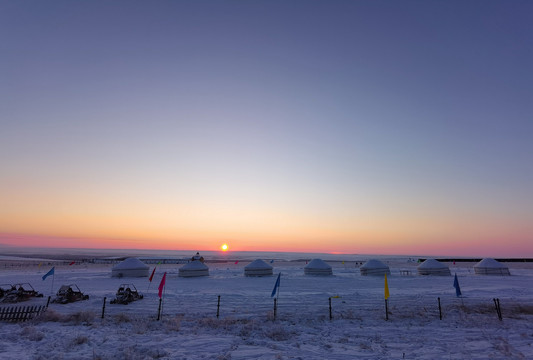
<point>432,264</point>
<point>194,265</point>
<point>374,264</point>
<point>258,264</point>
<point>130,263</point>
<point>490,263</point>
<point>318,264</point>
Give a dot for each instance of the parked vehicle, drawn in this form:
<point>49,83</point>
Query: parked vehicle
<point>126,293</point>
<point>4,289</point>
<point>19,292</point>
<point>69,293</point>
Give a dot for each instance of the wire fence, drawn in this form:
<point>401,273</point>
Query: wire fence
<point>298,308</point>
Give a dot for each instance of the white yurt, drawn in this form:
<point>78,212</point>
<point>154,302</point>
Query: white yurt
<point>374,267</point>
<point>131,267</point>
<point>490,266</point>
<point>258,268</point>
<point>194,268</point>
<point>318,267</point>
<point>433,267</point>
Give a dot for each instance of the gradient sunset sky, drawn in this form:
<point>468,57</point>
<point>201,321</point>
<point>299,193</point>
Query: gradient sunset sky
<point>389,127</point>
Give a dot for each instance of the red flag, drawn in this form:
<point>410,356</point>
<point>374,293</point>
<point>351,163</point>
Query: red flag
<point>152,276</point>
<point>236,262</point>
<point>162,285</point>
<point>72,263</point>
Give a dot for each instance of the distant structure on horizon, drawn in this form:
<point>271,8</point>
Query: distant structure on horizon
<point>318,267</point>
<point>374,267</point>
<point>489,266</point>
<point>258,268</point>
<point>131,267</point>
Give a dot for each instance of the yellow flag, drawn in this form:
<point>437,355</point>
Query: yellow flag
<point>335,297</point>
<point>40,265</point>
<point>386,288</point>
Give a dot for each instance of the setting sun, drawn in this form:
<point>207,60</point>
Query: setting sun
<point>224,247</point>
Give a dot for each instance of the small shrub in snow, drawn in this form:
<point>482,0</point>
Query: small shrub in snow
<point>140,326</point>
<point>32,333</point>
<point>49,315</point>
<point>349,314</point>
<point>343,340</point>
<point>122,318</point>
<point>270,316</point>
<point>210,322</point>
<point>80,317</point>
<point>518,309</point>
<point>173,324</point>
<point>226,356</point>
<point>365,346</point>
<point>226,324</point>
<point>143,352</point>
<point>80,339</point>
<point>277,333</point>
<point>155,353</point>
<point>246,330</point>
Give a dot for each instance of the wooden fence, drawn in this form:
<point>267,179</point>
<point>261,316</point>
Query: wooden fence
<point>20,313</point>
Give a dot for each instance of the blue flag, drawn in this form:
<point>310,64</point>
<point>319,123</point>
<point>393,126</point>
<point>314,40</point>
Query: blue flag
<point>272,261</point>
<point>456,286</point>
<point>276,286</point>
<point>51,272</point>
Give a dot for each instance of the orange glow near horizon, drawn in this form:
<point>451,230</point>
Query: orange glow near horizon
<point>265,229</point>
<point>112,220</point>
<point>513,247</point>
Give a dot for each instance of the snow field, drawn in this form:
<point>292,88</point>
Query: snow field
<point>189,329</point>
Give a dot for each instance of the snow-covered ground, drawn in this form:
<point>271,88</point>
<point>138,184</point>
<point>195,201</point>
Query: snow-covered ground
<point>189,329</point>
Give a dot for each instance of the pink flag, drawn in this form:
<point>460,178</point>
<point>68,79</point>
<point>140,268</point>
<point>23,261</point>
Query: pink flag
<point>72,263</point>
<point>236,262</point>
<point>152,276</point>
<point>162,285</point>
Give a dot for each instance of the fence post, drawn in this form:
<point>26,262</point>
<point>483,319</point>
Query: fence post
<point>386,310</point>
<point>440,309</point>
<point>275,307</point>
<point>103,307</point>
<point>330,313</point>
<point>159,310</point>
<point>48,302</point>
<point>218,306</point>
<point>498,309</point>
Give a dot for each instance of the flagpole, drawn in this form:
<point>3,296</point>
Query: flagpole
<point>162,297</point>
<point>277,295</point>
<point>161,292</point>
<point>279,285</point>
<point>386,293</point>
<point>52,288</point>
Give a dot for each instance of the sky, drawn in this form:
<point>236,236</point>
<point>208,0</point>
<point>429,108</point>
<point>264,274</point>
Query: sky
<point>385,127</point>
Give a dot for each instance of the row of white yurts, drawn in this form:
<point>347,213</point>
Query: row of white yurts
<point>133,267</point>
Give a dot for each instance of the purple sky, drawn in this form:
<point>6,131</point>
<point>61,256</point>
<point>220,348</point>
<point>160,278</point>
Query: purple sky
<point>355,123</point>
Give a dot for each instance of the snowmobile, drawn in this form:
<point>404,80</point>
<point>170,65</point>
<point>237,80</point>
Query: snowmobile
<point>19,292</point>
<point>69,293</point>
<point>126,293</point>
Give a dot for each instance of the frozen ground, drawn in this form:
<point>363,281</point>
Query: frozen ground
<point>189,329</point>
